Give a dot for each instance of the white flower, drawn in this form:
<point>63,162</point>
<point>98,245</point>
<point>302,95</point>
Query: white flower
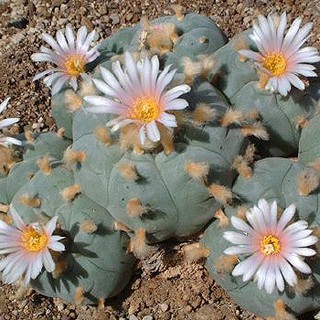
<point>138,96</point>
<point>5,123</point>
<point>280,56</point>
<point>274,249</point>
<point>70,54</point>
<point>27,248</point>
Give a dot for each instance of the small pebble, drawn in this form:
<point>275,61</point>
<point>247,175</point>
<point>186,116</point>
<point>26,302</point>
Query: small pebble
<point>163,307</point>
<point>115,18</point>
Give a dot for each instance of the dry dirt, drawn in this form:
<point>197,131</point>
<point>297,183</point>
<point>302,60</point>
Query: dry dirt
<point>179,290</point>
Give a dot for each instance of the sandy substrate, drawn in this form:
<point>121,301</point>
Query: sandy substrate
<point>178,290</point>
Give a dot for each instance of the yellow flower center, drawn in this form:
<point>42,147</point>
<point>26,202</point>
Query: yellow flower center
<point>34,241</point>
<point>270,245</point>
<point>75,65</point>
<point>145,109</point>
<point>276,63</point>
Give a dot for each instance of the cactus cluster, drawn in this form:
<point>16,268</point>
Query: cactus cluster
<point>167,171</point>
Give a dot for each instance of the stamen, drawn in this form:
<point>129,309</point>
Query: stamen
<point>270,245</point>
<point>275,63</point>
<point>145,109</point>
<point>75,64</point>
<point>32,240</point>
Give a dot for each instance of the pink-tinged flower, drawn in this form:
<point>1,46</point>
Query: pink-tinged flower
<point>274,249</point>
<point>280,55</point>
<point>70,54</point>
<point>138,95</point>
<point>27,248</point>
<point>5,141</point>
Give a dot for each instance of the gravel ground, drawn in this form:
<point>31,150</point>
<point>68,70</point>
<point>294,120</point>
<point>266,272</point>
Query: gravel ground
<point>180,290</point>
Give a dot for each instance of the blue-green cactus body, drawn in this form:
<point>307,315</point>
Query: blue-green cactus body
<point>273,179</point>
<point>97,261</point>
<point>46,144</point>
<point>3,194</point>
<point>192,23</point>
<point>196,35</point>
<point>238,80</point>
<point>163,183</point>
<point>230,74</point>
<point>309,145</point>
<point>247,294</point>
<point>120,41</point>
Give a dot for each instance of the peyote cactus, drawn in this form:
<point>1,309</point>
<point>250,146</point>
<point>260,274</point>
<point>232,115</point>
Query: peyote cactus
<point>81,272</point>
<point>176,39</point>
<point>146,197</point>
<point>268,249</point>
<point>99,183</point>
<point>287,182</point>
<point>244,83</point>
<point>180,104</point>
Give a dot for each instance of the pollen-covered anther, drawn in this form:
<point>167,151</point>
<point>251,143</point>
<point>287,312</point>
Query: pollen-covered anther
<point>195,252</point>
<point>197,170</point>
<point>69,193</point>
<point>242,166</point>
<point>308,181</point>
<point>128,171</point>
<point>118,225</point>
<point>29,201</point>
<point>178,11</point>
<point>44,164</point>
<point>221,193</point>
<point>202,114</point>
<point>79,296</point>
<point>135,208</point>
<point>257,130</point>
<point>138,244</point>
<point>88,226</point>
<point>74,156</point>
<point>232,117</point>
<point>224,221</point>
<point>191,70</point>
<point>303,286</point>
<point>60,268</point>
<point>73,101</point>
<point>280,311</point>
<point>60,132</point>
<point>103,134</point>
<point>225,264</point>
